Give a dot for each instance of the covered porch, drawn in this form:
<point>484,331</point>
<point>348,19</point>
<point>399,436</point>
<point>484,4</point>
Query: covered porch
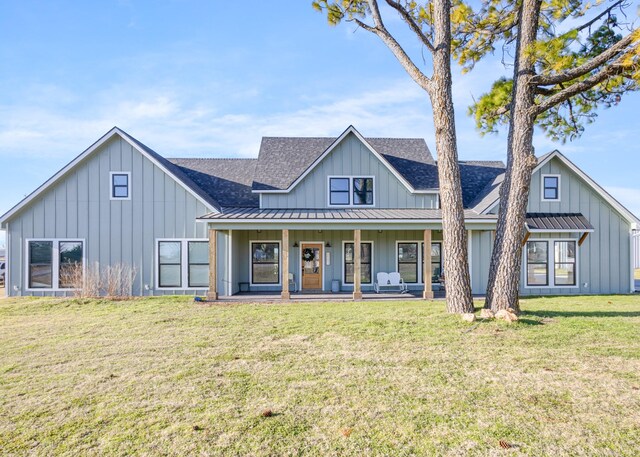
<point>291,256</point>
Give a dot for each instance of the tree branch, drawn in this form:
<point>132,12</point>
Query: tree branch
<point>595,19</point>
<point>411,23</point>
<point>379,29</point>
<point>615,68</point>
<point>581,70</point>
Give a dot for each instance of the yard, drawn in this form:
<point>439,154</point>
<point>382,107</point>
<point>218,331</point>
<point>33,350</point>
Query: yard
<point>172,377</point>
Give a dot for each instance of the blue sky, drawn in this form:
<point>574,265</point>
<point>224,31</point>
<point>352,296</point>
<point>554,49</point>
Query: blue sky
<point>209,78</point>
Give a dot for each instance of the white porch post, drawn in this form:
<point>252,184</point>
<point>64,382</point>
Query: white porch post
<point>357,265</point>
<point>285,265</point>
<point>213,271</point>
<point>427,294</point>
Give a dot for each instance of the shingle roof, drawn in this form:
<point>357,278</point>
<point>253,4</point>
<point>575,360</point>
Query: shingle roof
<point>477,179</point>
<point>550,222</point>
<point>228,181</point>
<point>409,156</point>
<point>340,214</point>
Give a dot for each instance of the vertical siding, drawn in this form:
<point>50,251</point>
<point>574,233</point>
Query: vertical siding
<point>78,206</point>
<point>481,248</point>
<point>604,260</point>
<point>350,158</point>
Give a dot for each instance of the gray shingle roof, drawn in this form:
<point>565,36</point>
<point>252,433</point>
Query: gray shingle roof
<point>341,214</point>
<point>550,222</point>
<point>477,178</point>
<point>228,181</point>
<point>409,156</point>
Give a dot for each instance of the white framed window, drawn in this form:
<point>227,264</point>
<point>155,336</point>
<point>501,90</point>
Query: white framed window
<point>120,185</point>
<point>182,263</point>
<point>409,263</point>
<point>55,264</point>
<point>264,263</point>
<point>550,188</point>
<point>366,262</point>
<point>551,263</point>
<point>351,191</point>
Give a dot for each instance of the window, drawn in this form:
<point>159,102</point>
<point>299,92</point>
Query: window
<point>366,249</point>
<point>537,263</point>
<point>265,262</point>
<point>183,264</point>
<point>408,262</point>
<point>551,187</point>
<point>55,264</point>
<point>564,273</point>
<point>351,191</point>
<point>436,261</point>
<point>170,264</point>
<point>198,263</point>
<point>120,185</point>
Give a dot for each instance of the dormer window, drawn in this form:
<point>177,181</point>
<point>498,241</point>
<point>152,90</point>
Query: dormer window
<point>551,188</point>
<point>351,191</point>
<point>120,182</point>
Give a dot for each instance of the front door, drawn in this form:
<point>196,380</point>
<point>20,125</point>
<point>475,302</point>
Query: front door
<point>311,266</point>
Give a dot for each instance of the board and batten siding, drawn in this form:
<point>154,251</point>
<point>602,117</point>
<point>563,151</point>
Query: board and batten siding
<point>78,206</point>
<point>604,259</point>
<point>349,158</point>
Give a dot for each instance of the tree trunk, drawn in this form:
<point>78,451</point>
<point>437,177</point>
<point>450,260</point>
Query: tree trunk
<point>455,255</point>
<point>504,273</point>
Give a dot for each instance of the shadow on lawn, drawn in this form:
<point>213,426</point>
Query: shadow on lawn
<point>545,313</point>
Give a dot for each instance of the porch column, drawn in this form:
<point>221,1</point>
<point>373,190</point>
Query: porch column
<point>213,271</point>
<point>427,294</point>
<point>285,265</point>
<point>357,265</point>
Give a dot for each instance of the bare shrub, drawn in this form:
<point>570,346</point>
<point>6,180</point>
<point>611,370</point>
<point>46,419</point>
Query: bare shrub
<point>117,280</point>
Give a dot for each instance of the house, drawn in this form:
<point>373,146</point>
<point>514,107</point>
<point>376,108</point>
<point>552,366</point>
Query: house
<point>309,211</point>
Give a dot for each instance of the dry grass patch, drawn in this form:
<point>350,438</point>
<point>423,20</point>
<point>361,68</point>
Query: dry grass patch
<point>169,376</point>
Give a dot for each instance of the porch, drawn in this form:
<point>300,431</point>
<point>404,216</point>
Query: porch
<point>276,297</point>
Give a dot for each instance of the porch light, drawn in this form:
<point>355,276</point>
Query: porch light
<point>327,245</point>
<point>319,231</point>
<point>295,244</point>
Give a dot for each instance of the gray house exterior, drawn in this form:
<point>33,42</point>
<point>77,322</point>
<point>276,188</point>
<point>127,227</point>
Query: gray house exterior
<point>306,213</point>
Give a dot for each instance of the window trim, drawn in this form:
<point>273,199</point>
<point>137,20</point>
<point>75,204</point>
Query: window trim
<point>351,178</point>
<point>111,186</point>
<point>279,283</point>
<point>441,263</point>
<point>418,261</point>
<point>542,187</point>
<point>344,264</point>
<point>551,264</point>
<point>184,263</point>
<point>55,264</point>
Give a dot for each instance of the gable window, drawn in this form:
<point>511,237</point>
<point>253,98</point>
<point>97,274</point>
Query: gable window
<point>55,264</point>
<point>351,191</point>
<point>120,185</point>
<point>183,264</point>
<point>537,263</point>
<point>366,251</point>
<point>551,187</point>
<point>339,191</point>
<point>265,262</point>
<point>564,269</point>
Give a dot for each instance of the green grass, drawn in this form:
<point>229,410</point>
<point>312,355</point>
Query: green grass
<point>167,376</point>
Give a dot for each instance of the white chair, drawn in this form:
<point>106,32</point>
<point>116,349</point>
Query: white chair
<point>395,280</point>
<point>292,282</point>
<point>382,279</point>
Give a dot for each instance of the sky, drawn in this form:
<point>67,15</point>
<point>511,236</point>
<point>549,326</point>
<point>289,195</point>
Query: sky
<point>210,78</point>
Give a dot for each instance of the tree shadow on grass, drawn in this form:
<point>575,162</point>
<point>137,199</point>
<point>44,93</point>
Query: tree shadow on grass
<point>546,313</point>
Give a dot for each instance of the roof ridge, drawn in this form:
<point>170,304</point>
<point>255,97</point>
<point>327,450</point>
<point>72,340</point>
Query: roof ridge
<point>212,158</point>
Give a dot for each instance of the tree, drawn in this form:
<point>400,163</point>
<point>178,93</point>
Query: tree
<point>561,76</point>
<point>431,24</point>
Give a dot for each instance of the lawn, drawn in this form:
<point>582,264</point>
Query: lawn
<point>167,376</point>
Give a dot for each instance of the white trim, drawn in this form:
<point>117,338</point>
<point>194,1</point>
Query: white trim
<point>324,267</point>
<point>420,279</point>
<point>279,283</point>
<point>350,191</point>
<point>631,218</point>
<point>230,263</point>
<point>87,152</point>
<point>7,269</point>
<point>342,277</point>
<point>557,230</point>
<point>55,264</point>
<point>550,175</point>
<point>631,262</point>
<point>128,174</point>
<point>184,263</point>
<point>336,142</point>
<point>551,264</point>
